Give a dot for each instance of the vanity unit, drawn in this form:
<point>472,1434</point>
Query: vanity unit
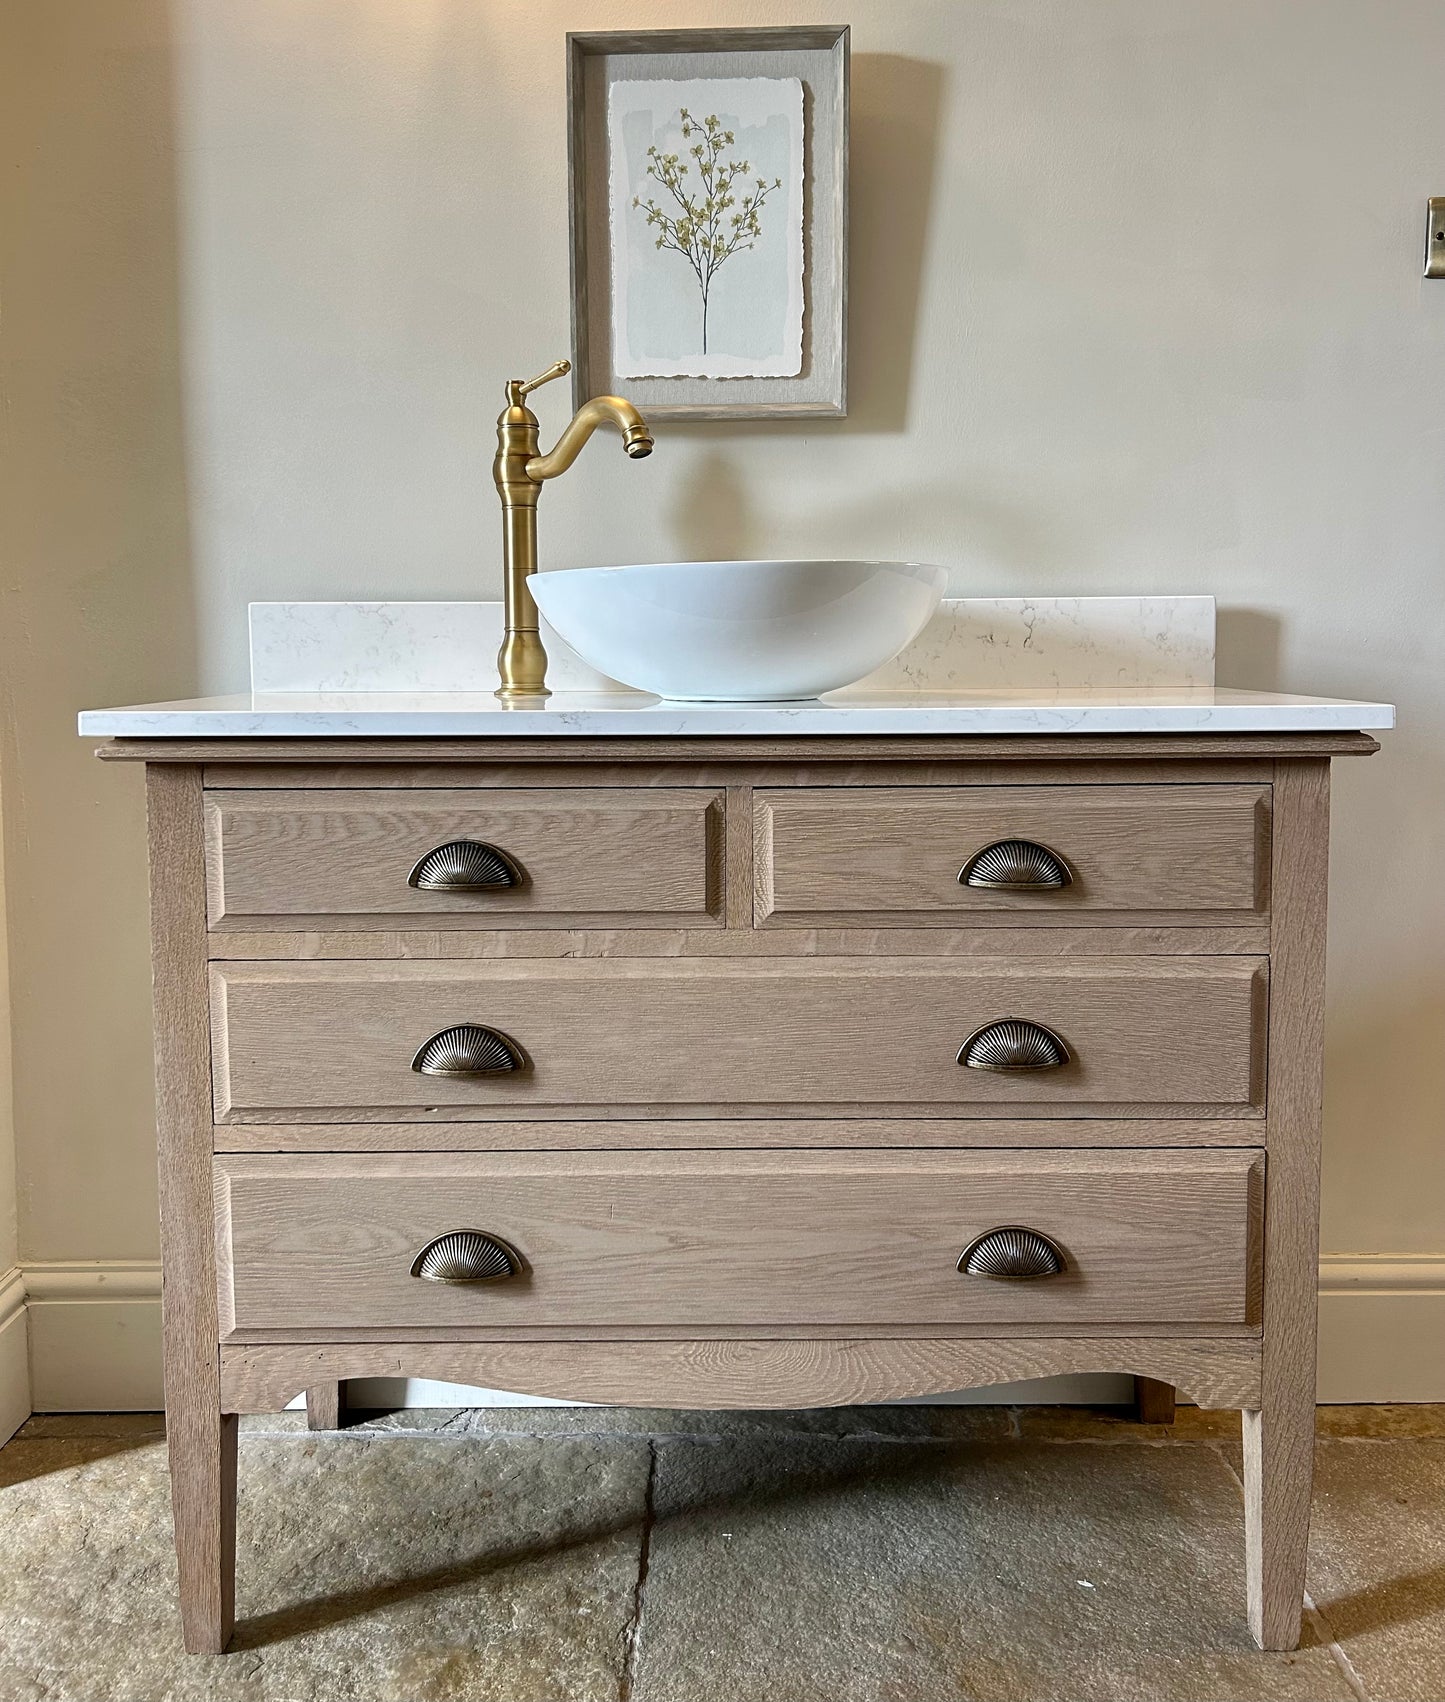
<point>710,1056</point>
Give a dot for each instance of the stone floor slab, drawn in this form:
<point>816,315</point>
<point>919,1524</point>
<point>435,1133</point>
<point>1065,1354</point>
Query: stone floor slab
<point>1377,1562</point>
<point>368,1569</point>
<point>865,1571</point>
<point>900,1554</point>
<point>1095,1424</point>
<point>981,1422</point>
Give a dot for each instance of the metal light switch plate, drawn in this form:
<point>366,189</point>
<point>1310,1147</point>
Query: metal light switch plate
<point>1435,239</point>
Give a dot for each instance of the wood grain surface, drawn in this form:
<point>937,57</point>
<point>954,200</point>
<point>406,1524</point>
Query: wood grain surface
<point>621,1036</point>
<point>201,1442</point>
<point>894,853</point>
<point>845,767</point>
<point>339,859</point>
<point>749,1238</point>
<point>825,748</point>
<point>727,1374</point>
<point>728,1133</point>
<point>1279,1435</point>
<point>1036,936</point>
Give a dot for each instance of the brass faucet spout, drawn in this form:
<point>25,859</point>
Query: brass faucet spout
<point>520,473</point>
<point>601,410</point>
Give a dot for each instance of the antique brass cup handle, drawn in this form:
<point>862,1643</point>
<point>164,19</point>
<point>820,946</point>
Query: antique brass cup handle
<point>466,1255</point>
<point>1013,1046</point>
<point>1012,1253</point>
<point>468,1049</point>
<point>465,865</point>
<point>1016,865</point>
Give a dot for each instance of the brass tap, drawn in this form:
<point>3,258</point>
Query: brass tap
<point>520,471</point>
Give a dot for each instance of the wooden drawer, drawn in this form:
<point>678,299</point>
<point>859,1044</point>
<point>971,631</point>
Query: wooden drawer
<point>313,1244</point>
<point>628,1037</point>
<point>621,857</point>
<point>894,854</point>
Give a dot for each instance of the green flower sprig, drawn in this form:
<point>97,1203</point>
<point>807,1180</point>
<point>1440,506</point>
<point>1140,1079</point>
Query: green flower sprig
<point>716,216</point>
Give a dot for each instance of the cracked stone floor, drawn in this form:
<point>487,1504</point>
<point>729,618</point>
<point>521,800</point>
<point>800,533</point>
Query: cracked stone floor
<point>901,1554</point>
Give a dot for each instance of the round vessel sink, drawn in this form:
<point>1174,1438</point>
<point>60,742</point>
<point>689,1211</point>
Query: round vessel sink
<point>740,631</point>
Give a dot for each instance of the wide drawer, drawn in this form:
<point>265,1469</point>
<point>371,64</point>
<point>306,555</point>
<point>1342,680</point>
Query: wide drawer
<point>620,857</point>
<point>629,1037</point>
<point>750,1240</point>
<point>904,854</point>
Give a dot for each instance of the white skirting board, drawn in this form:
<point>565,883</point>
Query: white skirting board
<point>95,1342</point>
<point>15,1403</point>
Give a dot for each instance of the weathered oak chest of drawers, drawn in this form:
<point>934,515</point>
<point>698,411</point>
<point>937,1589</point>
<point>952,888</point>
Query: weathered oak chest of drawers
<point>739,1073</point>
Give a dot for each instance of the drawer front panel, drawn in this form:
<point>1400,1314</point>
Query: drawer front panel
<point>626,1037</point>
<point>748,1239</point>
<point>638,857</point>
<point>896,853</point>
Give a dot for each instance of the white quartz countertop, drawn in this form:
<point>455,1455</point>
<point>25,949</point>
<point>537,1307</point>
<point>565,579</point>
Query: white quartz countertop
<point>575,714</point>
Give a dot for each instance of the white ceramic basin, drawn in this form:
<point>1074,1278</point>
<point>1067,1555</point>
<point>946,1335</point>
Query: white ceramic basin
<point>740,631</point>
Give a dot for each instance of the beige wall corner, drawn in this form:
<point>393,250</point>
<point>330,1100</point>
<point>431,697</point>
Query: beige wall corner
<point>15,1405</point>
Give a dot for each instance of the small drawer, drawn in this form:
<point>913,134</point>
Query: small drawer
<point>624,1037</point>
<point>747,1240</point>
<point>437,859</point>
<point>913,856</point>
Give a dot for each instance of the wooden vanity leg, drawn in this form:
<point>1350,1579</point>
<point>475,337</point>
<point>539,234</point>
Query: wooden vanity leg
<point>1279,1439</point>
<point>202,1447</point>
<point>1153,1401</point>
<point>1278,1469</point>
<point>201,1439</point>
<point>326,1406</point>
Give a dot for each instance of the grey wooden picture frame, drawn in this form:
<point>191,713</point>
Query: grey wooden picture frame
<point>818,56</point>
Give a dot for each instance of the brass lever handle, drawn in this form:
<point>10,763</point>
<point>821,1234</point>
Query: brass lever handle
<point>1016,865</point>
<point>466,1255</point>
<point>517,388</point>
<point>465,865</point>
<point>1013,1046</point>
<point>1012,1253</point>
<point>468,1049</point>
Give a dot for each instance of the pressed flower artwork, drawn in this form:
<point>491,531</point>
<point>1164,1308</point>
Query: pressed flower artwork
<point>707,227</point>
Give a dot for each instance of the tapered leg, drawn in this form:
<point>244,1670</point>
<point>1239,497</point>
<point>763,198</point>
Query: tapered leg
<point>202,1439</point>
<point>1153,1401</point>
<point>1278,1472</point>
<point>1279,1438</point>
<point>202,1446</point>
<point>326,1406</point>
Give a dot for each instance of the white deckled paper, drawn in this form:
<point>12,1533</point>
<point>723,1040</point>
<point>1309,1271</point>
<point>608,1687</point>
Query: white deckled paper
<point>706,219</point>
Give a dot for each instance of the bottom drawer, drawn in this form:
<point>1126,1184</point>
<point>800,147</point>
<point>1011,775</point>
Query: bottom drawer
<point>313,1243</point>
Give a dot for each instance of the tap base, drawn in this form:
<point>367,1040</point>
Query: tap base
<point>520,696</point>
<point>522,661</point>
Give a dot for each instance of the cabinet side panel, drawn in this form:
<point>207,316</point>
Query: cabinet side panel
<point>1279,1437</point>
<point>202,1443</point>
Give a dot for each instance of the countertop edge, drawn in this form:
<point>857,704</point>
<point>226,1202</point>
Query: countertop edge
<point>824,722</point>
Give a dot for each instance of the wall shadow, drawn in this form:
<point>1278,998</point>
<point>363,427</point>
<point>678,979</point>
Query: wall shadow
<point>716,516</point>
<point>712,514</point>
<point>1248,646</point>
<point>895,107</point>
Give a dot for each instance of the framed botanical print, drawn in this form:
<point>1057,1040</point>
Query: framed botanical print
<point>709,220</point>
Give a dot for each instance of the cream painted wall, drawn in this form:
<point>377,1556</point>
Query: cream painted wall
<point>14,1335</point>
<point>1135,306</point>
<point>9,1227</point>
<point>9,1222</point>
